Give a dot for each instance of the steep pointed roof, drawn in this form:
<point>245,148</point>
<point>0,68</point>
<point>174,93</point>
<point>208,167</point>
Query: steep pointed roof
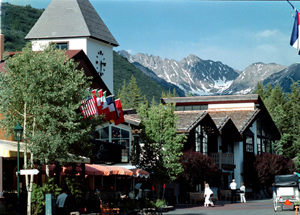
<point>70,19</point>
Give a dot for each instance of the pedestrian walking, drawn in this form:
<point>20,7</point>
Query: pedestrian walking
<point>233,191</point>
<point>207,193</point>
<point>242,192</point>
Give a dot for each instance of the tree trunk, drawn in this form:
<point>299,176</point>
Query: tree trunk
<point>29,190</point>
<point>47,170</point>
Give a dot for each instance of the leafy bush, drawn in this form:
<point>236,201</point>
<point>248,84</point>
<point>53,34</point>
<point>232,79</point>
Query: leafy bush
<point>38,195</point>
<point>197,168</point>
<point>160,203</point>
<point>75,189</point>
<point>268,165</point>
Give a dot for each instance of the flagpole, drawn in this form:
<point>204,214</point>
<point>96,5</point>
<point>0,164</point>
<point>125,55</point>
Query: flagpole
<point>292,5</point>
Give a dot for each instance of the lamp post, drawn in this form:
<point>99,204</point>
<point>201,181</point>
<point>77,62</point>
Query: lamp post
<point>18,130</point>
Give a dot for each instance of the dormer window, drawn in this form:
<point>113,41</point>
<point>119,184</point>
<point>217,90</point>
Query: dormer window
<point>62,46</point>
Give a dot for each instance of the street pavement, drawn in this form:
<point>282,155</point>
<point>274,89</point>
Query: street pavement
<point>252,207</point>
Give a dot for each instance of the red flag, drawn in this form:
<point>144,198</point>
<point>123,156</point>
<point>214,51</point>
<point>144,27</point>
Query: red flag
<point>94,96</point>
<point>99,102</point>
<point>164,186</point>
<point>153,188</point>
<point>112,114</point>
<point>120,118</point>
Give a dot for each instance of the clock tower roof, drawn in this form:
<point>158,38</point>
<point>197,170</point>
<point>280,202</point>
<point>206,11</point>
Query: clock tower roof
<point>71,19</point>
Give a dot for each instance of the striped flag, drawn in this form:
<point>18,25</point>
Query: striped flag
<point>89,108</point>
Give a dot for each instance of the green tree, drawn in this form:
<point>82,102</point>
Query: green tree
<point>122,94</point>
<point>291,129</point>
<point>130,95</point>
<point>161,147</point>
<point>260,90</point>
<point>169,94</point>
<point>134,94</point>
<point>43,90</point>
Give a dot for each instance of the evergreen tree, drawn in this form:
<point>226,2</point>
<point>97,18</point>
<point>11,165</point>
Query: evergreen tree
<point>290,141</point>
<point>260,90</point>
<point>134,97</point>
<point>123,95</point>
<point>275,104</point>
<point>190,94</point>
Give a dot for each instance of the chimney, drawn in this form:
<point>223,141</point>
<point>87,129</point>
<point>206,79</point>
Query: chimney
<point>1,47</point>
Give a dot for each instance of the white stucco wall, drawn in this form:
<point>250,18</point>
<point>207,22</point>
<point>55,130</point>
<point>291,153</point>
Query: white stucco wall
<point>73,43</point>
<point>91,47</point>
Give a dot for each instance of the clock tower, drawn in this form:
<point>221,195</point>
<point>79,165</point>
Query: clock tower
<point>73,25</point>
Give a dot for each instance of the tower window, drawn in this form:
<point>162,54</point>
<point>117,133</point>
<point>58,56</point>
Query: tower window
<point>62,46</point>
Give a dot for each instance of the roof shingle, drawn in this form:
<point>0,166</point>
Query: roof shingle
<point>69,19</point>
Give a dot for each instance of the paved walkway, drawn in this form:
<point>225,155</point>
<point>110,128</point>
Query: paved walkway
<point>252,207</point>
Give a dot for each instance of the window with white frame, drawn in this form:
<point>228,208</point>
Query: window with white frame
<point>201,140</point>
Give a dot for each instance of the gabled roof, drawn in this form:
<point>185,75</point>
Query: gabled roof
<point>70,19</point>
<point>239,118</point>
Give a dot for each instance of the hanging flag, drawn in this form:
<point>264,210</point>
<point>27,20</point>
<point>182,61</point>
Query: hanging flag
<point>295,34</point>
<point>94,95</point>
<point>99,103</point>
<point>89,108</point>
<point>112,114</point>
<point>105,109</point>
<point>119,108</point>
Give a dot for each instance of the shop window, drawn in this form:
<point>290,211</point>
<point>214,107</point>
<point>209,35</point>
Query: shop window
<point>116,135</point>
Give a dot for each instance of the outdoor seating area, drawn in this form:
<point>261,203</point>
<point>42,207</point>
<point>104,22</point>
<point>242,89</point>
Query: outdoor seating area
<point>105,209</point>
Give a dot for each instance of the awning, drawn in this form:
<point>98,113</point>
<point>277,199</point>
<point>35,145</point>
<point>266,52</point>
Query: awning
<point>140,173</point>
<point>96,169</point>
<point>9,148</point>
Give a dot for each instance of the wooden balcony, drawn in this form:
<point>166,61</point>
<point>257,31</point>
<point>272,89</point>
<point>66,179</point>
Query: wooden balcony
<point>222,158</point>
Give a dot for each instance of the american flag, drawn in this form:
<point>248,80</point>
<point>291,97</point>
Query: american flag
<point>89,108</point>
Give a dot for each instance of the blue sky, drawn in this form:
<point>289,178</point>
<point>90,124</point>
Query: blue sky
<point>237,33</point>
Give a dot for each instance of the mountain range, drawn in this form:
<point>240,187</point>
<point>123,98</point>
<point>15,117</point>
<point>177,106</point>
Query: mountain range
<point>207,77</point>
<point>154,74</point>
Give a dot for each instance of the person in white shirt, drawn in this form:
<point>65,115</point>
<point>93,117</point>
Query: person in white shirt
<point>233,191</point>
<point>242,193</point>
<point>207,193</point>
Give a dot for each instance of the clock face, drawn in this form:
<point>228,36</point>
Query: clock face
<point>100,63</point>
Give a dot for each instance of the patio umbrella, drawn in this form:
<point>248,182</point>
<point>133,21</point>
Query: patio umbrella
<point>140,173</point>
<point>115,170</point>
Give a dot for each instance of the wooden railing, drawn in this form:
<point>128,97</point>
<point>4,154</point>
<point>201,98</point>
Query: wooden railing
<point>222,158</point>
